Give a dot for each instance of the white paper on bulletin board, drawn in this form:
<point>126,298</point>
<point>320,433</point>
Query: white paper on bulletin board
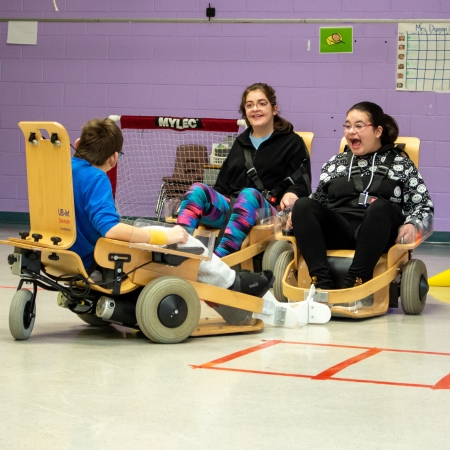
<point>423,57</point>
<point>21,32</point>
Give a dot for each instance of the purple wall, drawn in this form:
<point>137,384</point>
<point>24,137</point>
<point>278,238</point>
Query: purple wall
<point>82,70</point>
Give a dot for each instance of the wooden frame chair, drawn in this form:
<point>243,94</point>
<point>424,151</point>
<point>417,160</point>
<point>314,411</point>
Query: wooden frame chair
<point>295,279</point>
<point>43,254</point>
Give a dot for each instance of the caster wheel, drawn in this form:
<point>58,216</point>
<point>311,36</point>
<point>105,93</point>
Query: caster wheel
<point>21,318</point>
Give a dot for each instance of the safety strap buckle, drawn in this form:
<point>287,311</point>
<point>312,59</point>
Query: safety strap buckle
<point>355,171</point>
<point>251,172</point>
<point>383,170</point>
<point>269,196</point>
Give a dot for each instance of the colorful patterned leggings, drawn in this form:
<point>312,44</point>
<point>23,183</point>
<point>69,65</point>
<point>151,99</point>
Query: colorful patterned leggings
<point>203,204</point>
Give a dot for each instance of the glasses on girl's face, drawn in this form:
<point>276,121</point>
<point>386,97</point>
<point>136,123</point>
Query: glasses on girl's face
<point>121,154</point>
<point>260,104</point>
<point>358,127</point>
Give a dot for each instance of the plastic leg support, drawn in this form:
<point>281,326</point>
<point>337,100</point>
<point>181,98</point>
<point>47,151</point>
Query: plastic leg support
<point>291,315</point>
<point>313,312</point>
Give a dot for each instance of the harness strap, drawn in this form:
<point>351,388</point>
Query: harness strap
<point>302,171</point>
<point>355,172</point>
<point>251,171</point>
<point>285,184</point>
<point>381,172</point>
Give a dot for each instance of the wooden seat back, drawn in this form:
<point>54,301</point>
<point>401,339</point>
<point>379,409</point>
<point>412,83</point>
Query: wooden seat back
<point>308,137</point>
<point>50,189</point>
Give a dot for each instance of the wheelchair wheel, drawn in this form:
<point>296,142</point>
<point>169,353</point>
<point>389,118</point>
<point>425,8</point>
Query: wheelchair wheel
<point>273,252</point>
<point>168,310</point>
<point>21,318</point>
<point>93,320</point>
<point>280,267</point>
<point>414,287</point>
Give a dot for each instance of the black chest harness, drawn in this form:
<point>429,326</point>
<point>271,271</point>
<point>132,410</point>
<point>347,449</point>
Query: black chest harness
<point>271,196</point>
<point>369,194</point>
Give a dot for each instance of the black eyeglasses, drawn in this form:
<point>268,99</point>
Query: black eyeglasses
<point>121,154</point>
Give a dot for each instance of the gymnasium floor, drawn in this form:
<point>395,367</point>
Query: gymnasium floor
<point>71,386</point>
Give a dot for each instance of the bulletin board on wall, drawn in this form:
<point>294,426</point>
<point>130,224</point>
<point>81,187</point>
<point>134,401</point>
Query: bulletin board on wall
<point>423,57</point>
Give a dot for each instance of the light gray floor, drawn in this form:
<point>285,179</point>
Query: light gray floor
<point>71,386</point>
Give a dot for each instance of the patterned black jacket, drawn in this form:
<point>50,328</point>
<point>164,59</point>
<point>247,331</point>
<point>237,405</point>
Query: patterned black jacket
<point>403,186</point>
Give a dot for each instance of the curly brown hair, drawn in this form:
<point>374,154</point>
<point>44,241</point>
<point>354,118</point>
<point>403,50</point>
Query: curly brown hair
<point>278,122</point>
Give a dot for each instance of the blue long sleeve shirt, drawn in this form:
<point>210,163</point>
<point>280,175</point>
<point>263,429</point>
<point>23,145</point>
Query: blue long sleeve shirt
<point>95,212</point>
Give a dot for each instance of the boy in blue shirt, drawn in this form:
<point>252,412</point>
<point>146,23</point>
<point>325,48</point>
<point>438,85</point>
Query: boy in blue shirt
<point>97,151</point>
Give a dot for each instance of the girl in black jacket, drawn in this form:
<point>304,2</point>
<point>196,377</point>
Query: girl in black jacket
<point>276,152</point>
<point>368,197</point>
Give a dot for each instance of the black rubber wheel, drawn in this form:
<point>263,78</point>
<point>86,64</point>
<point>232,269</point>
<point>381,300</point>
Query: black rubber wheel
<point>168,310</point>
<point>280,267</point>
<point>414,287</point>
<point>273,252</point>
<point>93,320</point>
<point>21,318</point>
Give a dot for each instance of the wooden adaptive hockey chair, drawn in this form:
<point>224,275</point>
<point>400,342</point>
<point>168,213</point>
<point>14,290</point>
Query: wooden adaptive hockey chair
<point>145,287</point>
<point>396,273</point>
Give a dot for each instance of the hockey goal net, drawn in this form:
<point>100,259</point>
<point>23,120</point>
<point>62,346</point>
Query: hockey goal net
<point>164,155</point>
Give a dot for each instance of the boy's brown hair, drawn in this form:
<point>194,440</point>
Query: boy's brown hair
<point>100,138</point>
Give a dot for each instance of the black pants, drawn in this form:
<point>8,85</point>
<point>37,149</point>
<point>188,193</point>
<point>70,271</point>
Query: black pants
<point>318,229</point>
